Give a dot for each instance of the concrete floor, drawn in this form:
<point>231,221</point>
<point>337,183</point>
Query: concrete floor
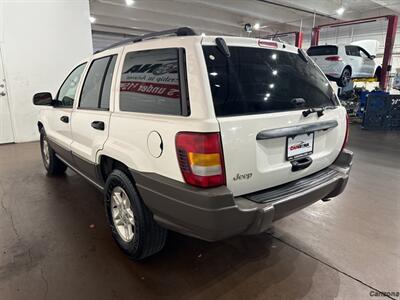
<point>342,249</point>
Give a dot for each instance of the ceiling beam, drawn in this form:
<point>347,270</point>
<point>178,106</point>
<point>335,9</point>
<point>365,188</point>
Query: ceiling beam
<point>117,29</point>
<point>175,9</point>
<point>149,25</point>
<point>392,5</point>
<point>300,9</point>
<point>164,20</point>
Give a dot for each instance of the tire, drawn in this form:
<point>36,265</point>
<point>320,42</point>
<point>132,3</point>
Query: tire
<point>377,74</point>
<point>53,165</point>
<point>125,209</point>
<point>345,78</point>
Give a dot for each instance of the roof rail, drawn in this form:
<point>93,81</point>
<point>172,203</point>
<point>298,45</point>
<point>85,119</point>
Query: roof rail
<point>182,31</point>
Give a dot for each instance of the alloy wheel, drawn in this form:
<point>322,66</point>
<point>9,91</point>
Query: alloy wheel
<point>122,214</point>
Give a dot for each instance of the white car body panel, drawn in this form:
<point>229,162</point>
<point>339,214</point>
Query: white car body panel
<point>126,133</point>
<point>361,66</point>
<point>129,131</point>
<point>265,159</point>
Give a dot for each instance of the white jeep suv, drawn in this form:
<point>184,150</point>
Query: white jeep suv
<point>344,62</point>
<point>207,136</point>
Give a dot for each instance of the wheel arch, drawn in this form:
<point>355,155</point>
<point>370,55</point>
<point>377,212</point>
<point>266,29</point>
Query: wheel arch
<point>348,67</point>
<point>40,125</point>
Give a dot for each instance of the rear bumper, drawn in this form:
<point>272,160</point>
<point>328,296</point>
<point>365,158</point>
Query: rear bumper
<point>214,214</point>
<point>333,71</point>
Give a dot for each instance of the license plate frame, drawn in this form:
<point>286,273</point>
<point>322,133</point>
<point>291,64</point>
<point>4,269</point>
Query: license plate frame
<point>296,140</point>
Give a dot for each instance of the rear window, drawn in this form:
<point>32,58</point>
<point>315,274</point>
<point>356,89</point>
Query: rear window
<point>150,82</point>
<point>255,81</point>
<point>322,50</point>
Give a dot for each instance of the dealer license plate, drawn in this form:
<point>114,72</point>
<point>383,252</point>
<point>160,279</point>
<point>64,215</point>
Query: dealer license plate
<point>300,145</point>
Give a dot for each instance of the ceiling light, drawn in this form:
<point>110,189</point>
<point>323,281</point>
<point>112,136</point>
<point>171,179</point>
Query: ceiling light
<point>340,10</point>
<point>248,28</point>
<point>271,86</point>
<point>257,26</point>
<point>129,2</point>
<point>273,56</point>
<point>275,72</point>
<point>214,74</point>
<point>203,34</point>
<point>92,19</point>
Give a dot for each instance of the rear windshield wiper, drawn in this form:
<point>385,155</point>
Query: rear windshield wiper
<point>318,110</point>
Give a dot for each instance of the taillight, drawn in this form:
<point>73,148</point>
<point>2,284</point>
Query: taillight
<point>333,58</point>
<point>200,158</point>
<point>346,138</point>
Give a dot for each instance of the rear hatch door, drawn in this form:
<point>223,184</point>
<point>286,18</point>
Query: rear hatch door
<point>320,53</point>
<point>259,95</point>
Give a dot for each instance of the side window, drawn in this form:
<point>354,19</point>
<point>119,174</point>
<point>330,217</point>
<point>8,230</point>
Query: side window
<point>151,82</point>
<point>363,53</point>
<point>353,51</point>
<point>67,91</point>
<point>97,85</point>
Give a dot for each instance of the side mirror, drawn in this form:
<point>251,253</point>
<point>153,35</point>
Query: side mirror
<point>43,99</point>
<point>372,56</point>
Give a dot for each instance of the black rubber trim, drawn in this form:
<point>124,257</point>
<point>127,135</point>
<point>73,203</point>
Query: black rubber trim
<point>295,187</point>
<point>60,150</point>
<point>295,130</point>
<point>81,165</point>
<point>183,82</point>
<point>85,166</point>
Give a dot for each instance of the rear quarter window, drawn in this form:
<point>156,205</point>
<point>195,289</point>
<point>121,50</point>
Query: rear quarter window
<point>150,82</point>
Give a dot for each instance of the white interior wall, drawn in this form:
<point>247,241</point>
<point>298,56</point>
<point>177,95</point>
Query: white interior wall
<point>41,41</point>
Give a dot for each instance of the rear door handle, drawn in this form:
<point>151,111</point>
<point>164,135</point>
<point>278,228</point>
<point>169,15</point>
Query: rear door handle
<point>301,163</point>
<point>99,125</point>
<point>64,119</point>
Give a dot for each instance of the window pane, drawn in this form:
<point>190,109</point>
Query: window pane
<point>91,88</point>
<point>352,51</point>
<point>150,82</point>
<point>105,95</point>
<point>256,81</point>
<point>67,91</point>
<point>322,50</point>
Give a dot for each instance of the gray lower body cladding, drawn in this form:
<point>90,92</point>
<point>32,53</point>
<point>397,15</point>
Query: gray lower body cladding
<point>214,214</point>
